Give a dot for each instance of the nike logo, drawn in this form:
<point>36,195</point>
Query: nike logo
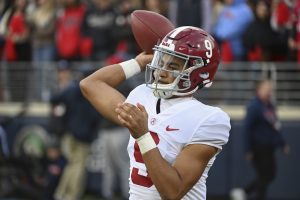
<point>171,129</point>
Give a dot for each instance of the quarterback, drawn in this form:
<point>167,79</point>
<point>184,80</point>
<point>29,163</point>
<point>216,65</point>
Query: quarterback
<point>174,137</point>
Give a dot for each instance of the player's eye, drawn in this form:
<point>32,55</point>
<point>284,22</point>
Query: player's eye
<point>173,67</point>
<point>161,63</point>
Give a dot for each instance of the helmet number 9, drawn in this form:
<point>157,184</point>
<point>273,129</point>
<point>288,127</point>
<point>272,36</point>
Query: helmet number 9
<point>208,45</point>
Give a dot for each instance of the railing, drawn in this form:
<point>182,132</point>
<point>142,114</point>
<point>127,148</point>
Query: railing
<point>234,83</point>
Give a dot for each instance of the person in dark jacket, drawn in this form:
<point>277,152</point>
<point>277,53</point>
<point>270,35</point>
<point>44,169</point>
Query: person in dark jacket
<point>262,43</point>
<point>82,125</point>
<point>262,136</point>
<point>54,165</point>
<point>96,29</point>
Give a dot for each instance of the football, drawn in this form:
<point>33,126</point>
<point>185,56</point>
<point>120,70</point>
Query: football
<point>149,28</point>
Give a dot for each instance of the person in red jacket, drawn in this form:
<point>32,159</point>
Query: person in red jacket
<point>68,36</point>
<point>16,33</point>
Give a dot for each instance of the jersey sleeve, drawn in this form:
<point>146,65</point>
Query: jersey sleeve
<point>213,131</point>
<point>134,95</point>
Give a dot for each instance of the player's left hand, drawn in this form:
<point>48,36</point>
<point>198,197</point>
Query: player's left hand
<point>135,118</point>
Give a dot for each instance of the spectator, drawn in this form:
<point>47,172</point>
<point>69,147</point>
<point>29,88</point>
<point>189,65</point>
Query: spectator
<point>217,7</point>
<point>42,22</point>
<point>2,10</point>
<point>229,28</point>
<point>57,118</point>
<point>281,14</point>
<point>157,6</point>
<point>98,23</point>
<point>294,30</point>
<point>15,30</point>
<point>115,139</point>
<point>55,163</point>
<point>68,36</point>
<point>262,43</point>
<point>64,74</point>
<point>3,5</point>
<point>126,45</point>
<point>116,169</point>
<point>81,129</point>
<point>191,12</point>
<point>262,136</point>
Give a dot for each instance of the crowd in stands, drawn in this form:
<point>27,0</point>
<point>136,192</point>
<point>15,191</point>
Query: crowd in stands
<point>73,30</point>
<point>43,31</point>
<point>99,30</point>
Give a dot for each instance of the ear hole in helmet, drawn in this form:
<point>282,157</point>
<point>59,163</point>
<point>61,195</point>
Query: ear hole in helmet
<point>201,85</point>
<point>204,75</point>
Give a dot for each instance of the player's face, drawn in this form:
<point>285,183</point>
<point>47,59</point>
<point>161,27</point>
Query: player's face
<point>168,68</point>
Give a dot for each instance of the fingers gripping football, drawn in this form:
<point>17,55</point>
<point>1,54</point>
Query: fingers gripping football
<point>135,118</point>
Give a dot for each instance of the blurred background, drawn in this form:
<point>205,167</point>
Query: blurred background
<point>47,46</point>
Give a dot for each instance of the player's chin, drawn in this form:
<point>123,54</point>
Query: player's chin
<point>160,81</point>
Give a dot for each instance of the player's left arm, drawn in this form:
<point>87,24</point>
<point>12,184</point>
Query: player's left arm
<point>174,181</point>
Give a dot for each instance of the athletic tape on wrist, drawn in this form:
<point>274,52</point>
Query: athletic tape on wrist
<point>130,68</point>
<point>146,143</point>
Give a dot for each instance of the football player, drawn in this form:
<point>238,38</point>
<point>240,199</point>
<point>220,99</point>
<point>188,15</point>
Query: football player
<point>174,137</point>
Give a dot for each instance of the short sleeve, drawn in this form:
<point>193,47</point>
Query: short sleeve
<point>134,95</point>
<point>139,95</point>
<point>213,131</point>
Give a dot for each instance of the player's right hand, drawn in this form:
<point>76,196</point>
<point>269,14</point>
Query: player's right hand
<point>143,59</point>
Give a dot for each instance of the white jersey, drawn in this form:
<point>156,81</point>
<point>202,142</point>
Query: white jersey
<point>182,121</point>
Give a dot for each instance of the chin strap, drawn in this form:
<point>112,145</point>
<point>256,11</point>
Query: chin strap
<point>158,106</point>
<point>159,93</point>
